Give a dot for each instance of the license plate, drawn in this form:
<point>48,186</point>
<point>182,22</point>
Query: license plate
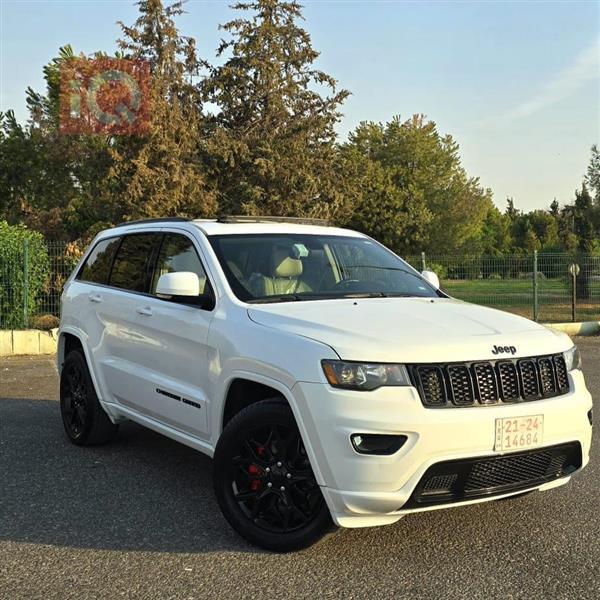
<point>516,433</point>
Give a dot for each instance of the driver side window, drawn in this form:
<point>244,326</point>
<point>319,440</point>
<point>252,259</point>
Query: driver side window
<point>177,253</point>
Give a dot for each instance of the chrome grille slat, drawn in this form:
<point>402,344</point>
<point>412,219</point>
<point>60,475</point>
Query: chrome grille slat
<point>490,382</point>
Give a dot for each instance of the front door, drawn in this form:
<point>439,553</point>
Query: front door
<point>171,348</point>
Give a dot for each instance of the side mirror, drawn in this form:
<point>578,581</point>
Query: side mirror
<point>183,287</point>
<point>431,278</point>
<point>184,283</point>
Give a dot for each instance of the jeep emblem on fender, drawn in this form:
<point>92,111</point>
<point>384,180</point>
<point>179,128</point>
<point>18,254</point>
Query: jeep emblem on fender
<point>504,350</point>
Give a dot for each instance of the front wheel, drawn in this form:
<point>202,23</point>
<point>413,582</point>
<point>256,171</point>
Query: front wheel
<point>264,482</point>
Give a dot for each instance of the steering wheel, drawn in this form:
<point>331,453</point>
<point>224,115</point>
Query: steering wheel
<point>346,284</point>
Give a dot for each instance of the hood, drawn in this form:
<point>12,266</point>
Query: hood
<point>411,330</point>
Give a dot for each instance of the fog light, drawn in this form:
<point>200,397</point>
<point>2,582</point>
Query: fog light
<point>591,416</point>
<point>369,443</point>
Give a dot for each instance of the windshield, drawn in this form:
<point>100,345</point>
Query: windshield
<point>288,267</point>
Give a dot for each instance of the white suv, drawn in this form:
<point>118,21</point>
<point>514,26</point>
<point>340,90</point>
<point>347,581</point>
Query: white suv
<point>332,383</point>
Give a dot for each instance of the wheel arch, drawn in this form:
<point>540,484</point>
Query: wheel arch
<point>277,388</point>
<point>71,339</point>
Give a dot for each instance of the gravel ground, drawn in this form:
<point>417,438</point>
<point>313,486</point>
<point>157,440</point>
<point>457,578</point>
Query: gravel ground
<point>137,519</point>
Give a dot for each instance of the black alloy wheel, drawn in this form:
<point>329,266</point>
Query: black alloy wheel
<point>85,421</point>
<point>272,481</point>
<point>264,482</point>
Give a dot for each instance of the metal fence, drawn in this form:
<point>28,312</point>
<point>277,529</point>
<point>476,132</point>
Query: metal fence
<point>31,280</point>
<point>538,286</point>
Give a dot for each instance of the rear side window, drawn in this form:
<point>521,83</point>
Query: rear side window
<point>177,253</point>
<point>96,268</point>
<point>133,262</point>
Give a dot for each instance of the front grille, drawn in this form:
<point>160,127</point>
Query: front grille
<point>490,382</point>
<point>453,481</point>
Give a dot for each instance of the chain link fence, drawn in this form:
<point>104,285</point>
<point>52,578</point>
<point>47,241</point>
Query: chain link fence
<point>538,286</point>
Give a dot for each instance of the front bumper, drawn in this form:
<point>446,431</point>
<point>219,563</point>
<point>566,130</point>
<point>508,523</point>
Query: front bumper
<point>363,490</point>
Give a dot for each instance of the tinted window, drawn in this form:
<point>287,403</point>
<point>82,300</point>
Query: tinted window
<point>177,253</point>
<point>97,265</point>
<point>133,262</point>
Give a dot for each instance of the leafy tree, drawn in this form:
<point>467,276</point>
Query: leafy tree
<point>545,227</point>
<point>13,290</point>
<point>50,180</point>
<point>161,173</point>
<point>420,196</point>
<point>271,149</point>
<point>395,216</point>
<point>496,236</point>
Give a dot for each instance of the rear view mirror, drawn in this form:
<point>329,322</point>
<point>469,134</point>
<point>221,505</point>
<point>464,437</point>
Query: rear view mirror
<point>431,278</point>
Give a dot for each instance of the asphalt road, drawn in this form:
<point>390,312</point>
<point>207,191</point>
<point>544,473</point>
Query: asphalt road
<point>137,519</point>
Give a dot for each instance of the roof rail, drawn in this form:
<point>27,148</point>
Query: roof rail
<point>270,219</point>
<point>142,221</point>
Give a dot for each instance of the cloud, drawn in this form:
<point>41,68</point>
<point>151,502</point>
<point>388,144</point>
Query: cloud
<point>586,67</point>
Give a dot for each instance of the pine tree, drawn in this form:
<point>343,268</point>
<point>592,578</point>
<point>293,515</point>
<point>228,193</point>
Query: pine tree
<point>272,149</point>
<point>511,211</point>
<point>584,225</point>
<point>161,174</point>
<point>593,174</point>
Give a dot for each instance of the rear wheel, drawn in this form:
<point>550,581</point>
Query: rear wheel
<point>263,480</point>
<point>84,420</point>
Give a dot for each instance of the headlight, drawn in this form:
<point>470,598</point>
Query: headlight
<point>364,376</point>
<point>573,359</point>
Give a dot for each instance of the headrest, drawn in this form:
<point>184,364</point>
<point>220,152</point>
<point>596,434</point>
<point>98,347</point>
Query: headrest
<point>283,265</point>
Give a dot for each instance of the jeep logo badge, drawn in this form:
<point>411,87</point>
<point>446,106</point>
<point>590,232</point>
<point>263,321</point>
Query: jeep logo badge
<point>504,350</point>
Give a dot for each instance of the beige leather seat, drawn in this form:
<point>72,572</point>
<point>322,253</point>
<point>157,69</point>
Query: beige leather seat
<point>284,277</point>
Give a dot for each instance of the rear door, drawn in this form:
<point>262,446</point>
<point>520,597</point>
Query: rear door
<point>171,350</point>
<point>85,296</point>
<point>117,305</point>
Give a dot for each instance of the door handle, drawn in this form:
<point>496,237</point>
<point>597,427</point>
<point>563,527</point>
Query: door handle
<point>95,298</point>
<point>144,310</point>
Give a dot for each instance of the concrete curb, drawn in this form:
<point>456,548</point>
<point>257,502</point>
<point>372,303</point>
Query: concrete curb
<point>584,328</point>
<point>28,341</point>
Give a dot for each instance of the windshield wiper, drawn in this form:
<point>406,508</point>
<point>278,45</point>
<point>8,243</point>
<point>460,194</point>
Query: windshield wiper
<point>272,299</point>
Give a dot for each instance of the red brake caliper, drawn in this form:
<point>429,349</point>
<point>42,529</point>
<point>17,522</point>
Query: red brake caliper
<point>254,471</point>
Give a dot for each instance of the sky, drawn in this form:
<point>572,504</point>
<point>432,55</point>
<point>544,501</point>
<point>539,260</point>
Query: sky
<point>517,84</point>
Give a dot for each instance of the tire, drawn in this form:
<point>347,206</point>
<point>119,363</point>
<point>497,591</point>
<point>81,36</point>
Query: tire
<point>84,420</point>
<point>261,445</point>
